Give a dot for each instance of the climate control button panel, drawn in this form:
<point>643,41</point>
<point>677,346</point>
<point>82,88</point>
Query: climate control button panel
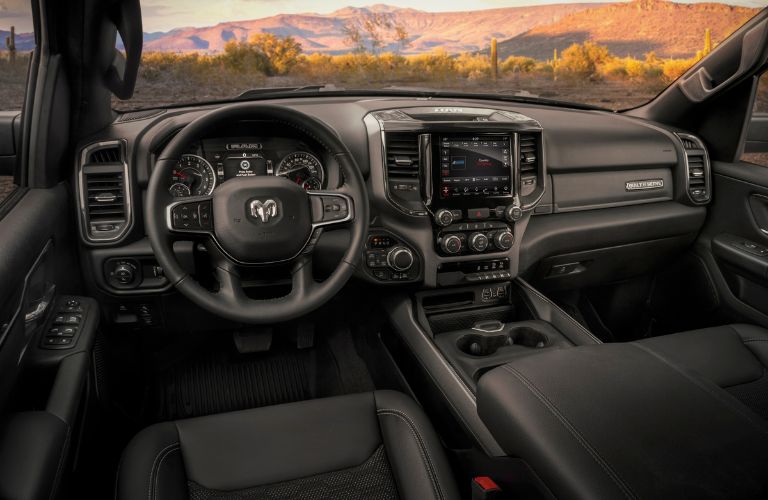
<point>389,259</point>
<point>475,238</point>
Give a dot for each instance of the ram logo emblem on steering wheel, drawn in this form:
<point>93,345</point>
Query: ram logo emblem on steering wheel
<point>263,210</point>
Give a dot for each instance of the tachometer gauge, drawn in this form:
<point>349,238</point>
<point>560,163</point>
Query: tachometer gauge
<point>302,168</point>
<point>179,190</point>
<point>312,184</point>
<point>195,174</point>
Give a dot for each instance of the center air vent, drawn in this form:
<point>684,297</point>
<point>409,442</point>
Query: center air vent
<point>402,169</point>
<point>697,169</point>
<point>104,193</point>
<point>529,162</point>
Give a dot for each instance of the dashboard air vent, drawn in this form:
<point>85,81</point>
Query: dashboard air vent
<point>105,155</point>
<point>402,156</point>
<point>529,154</point>
<point>401,151</point>
<point>104,192</point>
<point>529,162</point>
<point>139,115</point>
<point>697,168</point>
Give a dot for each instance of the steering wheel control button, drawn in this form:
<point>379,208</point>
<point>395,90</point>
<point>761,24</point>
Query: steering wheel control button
<point>193,216</point>
<point>335,208</point>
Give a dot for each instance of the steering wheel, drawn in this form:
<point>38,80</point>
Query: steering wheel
<point>257,221</point>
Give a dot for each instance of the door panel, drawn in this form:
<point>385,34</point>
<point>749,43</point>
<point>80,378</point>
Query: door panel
<point>734,241</point>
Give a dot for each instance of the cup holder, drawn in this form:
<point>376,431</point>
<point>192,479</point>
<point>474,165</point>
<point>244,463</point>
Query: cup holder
<point>486,344</point>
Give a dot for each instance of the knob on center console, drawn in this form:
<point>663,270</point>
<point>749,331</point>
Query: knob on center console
<point>444,217</point>
<point>400,258</point>
<point>478,242</point>
<point>513,213</point>
<point>503,240</point>
<point>451,244</point>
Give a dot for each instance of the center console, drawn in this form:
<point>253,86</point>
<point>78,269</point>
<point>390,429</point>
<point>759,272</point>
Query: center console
<point>475,174</point>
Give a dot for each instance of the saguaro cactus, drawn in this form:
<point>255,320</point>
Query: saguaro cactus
<point>494,59</point>
<point>10,44</point>
<point>707,41</point>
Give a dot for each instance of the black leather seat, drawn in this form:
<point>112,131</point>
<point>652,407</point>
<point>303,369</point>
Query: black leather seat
<point>376,445</point>
<point>734,357</point>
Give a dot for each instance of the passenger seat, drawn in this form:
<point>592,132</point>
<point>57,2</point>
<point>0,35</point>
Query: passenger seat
<point>377,445</point>
<point>735,357</point>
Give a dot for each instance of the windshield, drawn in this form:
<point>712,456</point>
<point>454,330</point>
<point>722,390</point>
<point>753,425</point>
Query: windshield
<point>611,55</point>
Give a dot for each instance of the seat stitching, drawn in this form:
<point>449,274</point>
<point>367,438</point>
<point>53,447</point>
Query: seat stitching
<point>420,442</point>
<point>552,408</point>
<point>160,465</point>
<point>160,456</point>
<point>754,340</point>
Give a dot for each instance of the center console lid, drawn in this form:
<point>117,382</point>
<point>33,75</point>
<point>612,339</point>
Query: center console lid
<point>616,421</point>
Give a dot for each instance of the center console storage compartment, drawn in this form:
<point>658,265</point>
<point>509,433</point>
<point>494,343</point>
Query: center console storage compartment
<point>479,328</point>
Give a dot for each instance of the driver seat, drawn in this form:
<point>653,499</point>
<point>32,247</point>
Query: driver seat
<point>376,445</point>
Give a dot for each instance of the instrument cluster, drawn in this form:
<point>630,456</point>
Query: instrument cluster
<point>211,162</point>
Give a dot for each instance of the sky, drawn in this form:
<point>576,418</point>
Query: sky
<point>163,15</point>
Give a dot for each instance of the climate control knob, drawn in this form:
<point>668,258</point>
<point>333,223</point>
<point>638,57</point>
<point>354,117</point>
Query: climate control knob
<point>400,258</point>
<point>503,240</point>
<point>513,213</point>
<point>443,217</point>
<point>478,242</point>
<point>451,244</point>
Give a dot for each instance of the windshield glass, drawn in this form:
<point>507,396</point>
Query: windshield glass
<point>611,55</point>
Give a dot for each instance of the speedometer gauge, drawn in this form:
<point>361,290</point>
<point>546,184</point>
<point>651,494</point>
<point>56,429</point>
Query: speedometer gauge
<point>302,168</point>
<point>192,175</point>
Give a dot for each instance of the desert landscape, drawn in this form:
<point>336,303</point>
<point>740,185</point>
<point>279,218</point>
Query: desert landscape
<point>580,52</point>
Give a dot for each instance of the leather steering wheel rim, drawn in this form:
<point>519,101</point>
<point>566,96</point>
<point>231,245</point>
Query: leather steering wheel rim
<point>230,301</point>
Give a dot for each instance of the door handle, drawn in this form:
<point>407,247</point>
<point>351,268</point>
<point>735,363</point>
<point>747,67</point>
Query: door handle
<point>758,204</point>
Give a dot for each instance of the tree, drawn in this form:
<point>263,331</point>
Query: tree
<point>354,37</point>
<point>582,60</point>
<point>282,53</point>
<point>264,53</point>
<point>401,37</point>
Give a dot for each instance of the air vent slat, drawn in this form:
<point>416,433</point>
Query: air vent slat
<point>697,168</point>
<point>402,152</point>
<point>105,210</point>
<point>529,154</point>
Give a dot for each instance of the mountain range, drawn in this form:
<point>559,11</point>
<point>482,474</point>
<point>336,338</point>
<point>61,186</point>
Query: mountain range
<point>633,29</point>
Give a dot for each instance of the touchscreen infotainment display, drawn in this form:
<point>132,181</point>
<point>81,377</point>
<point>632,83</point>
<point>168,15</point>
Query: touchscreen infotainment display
<point>475,166</point>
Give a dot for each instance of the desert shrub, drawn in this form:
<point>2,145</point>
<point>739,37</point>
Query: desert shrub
<point>264,53</point>
<point>582,60</point>
<point>433,66</point>
<point>281,52</point>
<point>473,66</point>
<point>643,71</point>
<point>672,69</point>
<point>240,57</point>
<point>519,64</point>
<point>615,68</point>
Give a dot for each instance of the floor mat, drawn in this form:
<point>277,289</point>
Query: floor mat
<point>221,381</point>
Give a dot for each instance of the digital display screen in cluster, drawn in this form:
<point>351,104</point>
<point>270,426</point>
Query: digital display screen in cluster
<point>475,166</point>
